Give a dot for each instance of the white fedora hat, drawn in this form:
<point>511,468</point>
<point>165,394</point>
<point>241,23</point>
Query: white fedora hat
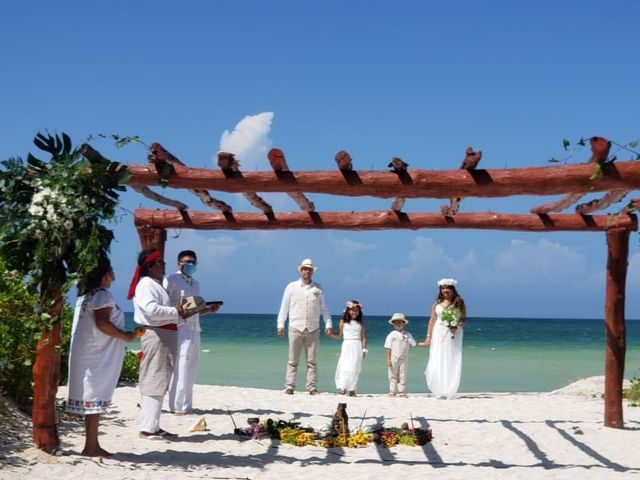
<point>398,317</point>
<point>308,263</point>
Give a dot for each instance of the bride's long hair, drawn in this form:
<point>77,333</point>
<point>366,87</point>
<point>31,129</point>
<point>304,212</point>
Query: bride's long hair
<point>457,301</point>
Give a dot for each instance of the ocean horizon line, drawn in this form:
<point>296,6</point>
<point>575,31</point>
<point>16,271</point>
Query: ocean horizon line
<point>479,317</point>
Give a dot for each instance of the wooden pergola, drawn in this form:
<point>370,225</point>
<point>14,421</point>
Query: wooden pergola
<point>398,184</point>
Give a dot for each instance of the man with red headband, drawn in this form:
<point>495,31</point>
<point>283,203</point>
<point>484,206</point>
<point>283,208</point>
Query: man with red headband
<point>153,309</point>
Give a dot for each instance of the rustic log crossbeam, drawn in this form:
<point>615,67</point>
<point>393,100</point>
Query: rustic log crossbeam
<point>382,220</point>
<point>599,153</point>
<point>605,201</point>
<point>92,154</point>
<point>161,156</point>
<point>279,164</point>
<point>231,168</point>
<point>470,162</point>
<point>421,184</point>
<point>399,167</point>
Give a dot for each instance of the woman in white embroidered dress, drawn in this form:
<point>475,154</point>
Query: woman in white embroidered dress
<point>96,353</point>
<point>354,348</point>
<point>445,344</point>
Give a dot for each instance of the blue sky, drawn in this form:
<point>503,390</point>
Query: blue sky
<point>419,80</point>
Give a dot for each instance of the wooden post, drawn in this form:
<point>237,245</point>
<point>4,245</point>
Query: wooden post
<point>615,348</point>
<point>46,371</point>
<point>152,237</point>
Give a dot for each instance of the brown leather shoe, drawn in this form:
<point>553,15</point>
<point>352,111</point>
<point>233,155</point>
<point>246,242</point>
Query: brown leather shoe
<point>314,392</point>
<point>289,391</point>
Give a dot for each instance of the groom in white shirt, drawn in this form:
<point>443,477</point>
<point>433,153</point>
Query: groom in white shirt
<point>303,302</point>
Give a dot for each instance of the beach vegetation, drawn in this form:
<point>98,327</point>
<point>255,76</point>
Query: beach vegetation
<point>19,333</point>
<point>633,392</point>
<point>130,368</point>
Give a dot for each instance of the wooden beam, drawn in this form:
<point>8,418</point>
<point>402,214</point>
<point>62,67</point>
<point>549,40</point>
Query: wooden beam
<point>420,184</point>
<point>470,162</point>
<point>382,220</point>
<point>147,192</point>
<point>231,169</point>
<point>615,347</point>
<point>152,237</point>
<point>46,370</point>
<point>161,157</point>
<point>399,167</point>
<point>599,153</point>
<point>607,200</point>
<point>279,164</point>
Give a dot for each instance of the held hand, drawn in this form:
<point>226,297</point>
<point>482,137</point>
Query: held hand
<point>140,331</point>
<point>181,311</point>
<point>389,364</point>
<point>328,332</point>
<point>129,336</point>
<point>426,343</point>
<point>281,332</point>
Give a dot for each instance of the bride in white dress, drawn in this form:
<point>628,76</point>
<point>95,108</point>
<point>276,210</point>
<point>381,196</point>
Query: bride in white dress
<point>445,344</point>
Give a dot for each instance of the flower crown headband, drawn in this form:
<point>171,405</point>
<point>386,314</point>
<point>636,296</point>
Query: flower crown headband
<point>449,282</point>
<point>352,304</point>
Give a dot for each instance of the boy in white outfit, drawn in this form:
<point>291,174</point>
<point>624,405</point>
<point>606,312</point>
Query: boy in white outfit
<point>397,345</point>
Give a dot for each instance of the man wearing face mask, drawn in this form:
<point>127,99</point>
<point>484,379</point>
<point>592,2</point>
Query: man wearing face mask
<point>178,285</point>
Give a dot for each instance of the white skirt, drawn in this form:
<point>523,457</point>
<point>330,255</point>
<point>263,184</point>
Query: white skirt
<point>349,365</point>
<point>445,361</point>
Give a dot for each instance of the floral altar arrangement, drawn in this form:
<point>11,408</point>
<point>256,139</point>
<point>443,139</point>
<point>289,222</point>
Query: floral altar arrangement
<point>335,435</point>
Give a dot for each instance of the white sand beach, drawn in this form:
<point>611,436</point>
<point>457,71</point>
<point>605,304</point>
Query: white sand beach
<point>481,435</point>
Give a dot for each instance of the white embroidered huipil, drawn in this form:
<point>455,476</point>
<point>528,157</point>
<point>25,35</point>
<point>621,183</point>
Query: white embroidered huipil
<point>303,304</point>
<point>186,368</point>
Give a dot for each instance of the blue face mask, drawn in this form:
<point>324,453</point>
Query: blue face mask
<point>189,269</point>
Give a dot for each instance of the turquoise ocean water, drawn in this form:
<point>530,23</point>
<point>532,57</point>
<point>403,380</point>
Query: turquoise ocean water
<point>500,354</point>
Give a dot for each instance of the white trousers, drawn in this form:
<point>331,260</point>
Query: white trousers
<point>150,413</point>
<point>186,368</point>
<point>398,374</point>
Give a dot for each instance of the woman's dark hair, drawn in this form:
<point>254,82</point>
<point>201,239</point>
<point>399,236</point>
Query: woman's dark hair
<point>94,278</point>
<point>457,301</point>
<point>144,267</point>
<point>347,318</point>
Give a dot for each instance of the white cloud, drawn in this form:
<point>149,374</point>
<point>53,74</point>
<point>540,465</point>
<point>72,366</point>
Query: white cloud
<point>214,250</point>
<point>542,258</point>
<point>249,140</point>
<point>346,246</point>
<point>426,259</point>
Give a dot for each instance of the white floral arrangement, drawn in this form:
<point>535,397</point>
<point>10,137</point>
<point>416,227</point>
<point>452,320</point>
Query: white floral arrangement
<point>315,290</point>
<point>450,318</point>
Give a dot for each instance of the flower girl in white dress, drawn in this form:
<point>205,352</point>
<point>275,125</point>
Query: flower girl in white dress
<point>444,337</point>
<point>354,348</point>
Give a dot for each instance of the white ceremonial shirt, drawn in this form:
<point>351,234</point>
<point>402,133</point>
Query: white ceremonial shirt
<point>303,304</point>
<point>178,283</point>
<point>398,342</point>
<point>152,305</point>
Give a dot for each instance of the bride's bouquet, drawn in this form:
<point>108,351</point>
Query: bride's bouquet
<point>451,318</point>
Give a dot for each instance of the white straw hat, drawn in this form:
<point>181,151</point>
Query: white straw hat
<point>398,317</point>
<point>307,262</point>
